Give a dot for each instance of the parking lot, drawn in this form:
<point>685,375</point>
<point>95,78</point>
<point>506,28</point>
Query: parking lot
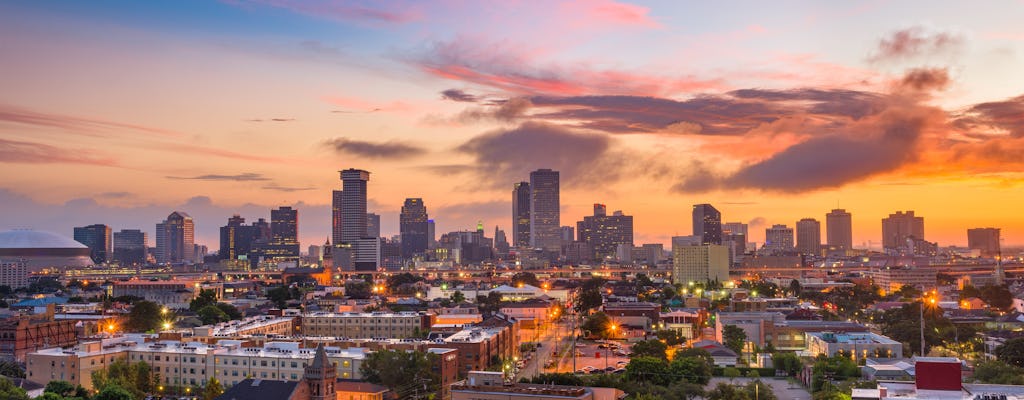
<point>594,357</point>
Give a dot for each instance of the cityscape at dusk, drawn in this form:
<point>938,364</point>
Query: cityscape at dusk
<point>552,200</point>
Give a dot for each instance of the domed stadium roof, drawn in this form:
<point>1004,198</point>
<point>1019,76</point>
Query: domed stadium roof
<point>29,239</point>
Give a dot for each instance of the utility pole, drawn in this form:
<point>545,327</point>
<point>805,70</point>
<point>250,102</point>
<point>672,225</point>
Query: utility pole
<point>921,309</point>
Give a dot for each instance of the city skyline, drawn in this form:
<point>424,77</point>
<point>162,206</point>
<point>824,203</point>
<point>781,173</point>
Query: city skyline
<point>121,113</point>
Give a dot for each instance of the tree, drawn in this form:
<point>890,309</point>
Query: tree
<point>696,352</point>
<point>670,336</point>
<point>829,368</point>
<point>759,390</point>
<point>725,391</point>
<point>397,368</point>
<point>1012,352</point>
<point>65,389</point>
<point>734,337</point>
<point>564,378</point>
<point>794,287</point>
<point>11,369</point>
<point>693,369</point>
<point>206,297</point>
<point>731,373</point>
<point>458,297</point>
<point>997,297</point>
<point>525,278</point>
<point>211,314</point>
<point>588,300</point>
<point>281,294</point>
<point>230,310</point>
<point>212,389</point>
<point>598,324</point>
<point>909,292</point>
<point>648,369</point>
<point>144,317</point>
<point>642,281</point>
<point>137,379</point>
<point>11,392</point>
<point>357,290</point>
<point>114,392</point>
<point>788,362</point>
<point>999,373</point>
<point>650,348</point>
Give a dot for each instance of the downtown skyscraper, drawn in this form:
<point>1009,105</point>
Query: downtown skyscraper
<point>603,233</point>
<point>707,224</point>
<point>130,247</point>
<point>545,211</point>
<point>899,227</point>
<point>808,236</point>
<point>412,226</point>
<point>356,250</point>
<point>99,241</point>
<point>175,239</point>
<point>521,214</point>
<point>839,230</point>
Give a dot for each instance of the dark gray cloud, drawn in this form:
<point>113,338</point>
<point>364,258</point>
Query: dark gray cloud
<point>287,189</point>
<point>508,155</point>
<point>114,195</point>
<point>460,216</point>
<point>458,95</point>
<point>925,79</point>
<point>447,169</point>
<point>1006,115</point>
<point>385,150</point>
<point>243,177</point>
<point>916,42</point>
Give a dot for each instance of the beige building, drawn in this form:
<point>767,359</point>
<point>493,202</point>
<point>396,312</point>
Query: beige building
<point>262,325</point>
<point>700,263</point>
<point>14,273</point>
<point>187,363</point>
<point>892,279</point>
<point>483,385</point>
<point>398,325</point>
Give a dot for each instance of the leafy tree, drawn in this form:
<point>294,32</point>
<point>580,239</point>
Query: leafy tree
<point>693,369</point>
<point>725,391</point>
<point>65,389</point>
<point>671,337</point>
<point>404,278</point>
<point>828,368</point>
<point>593,283</point>
<point>525,278</point>
<point>564,378</point>
<point>144,317</point>
<point>212,389</point>
<point>231,311</point>
<point>1012,352</point>
<point>589,299</point>
<point>280,295</point>
<point>648,369</point>
<point>642,281</point>
<point>211,314</point>
<point>397,368</point>
<point>137,379</point>
<point>731,373</point>
<point>114,392</point>
<point>598,324</point>
<point>794,287</point>
<point>11,392</point>
<point>759,390</point>
<point>11,369</point>
<point>668,292</point>
<point>50,396</point>
<point>650,348</point>
<point>997,372</point>
<point>458,297</point>
<point>788,362</point>
<point>734,337</point>
<point>997,297</point>
<point>695,352</point>
<point>909,292</point>
<point>206,297</point>
<point>358,290</point>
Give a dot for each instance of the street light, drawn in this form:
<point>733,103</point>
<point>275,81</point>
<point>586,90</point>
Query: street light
<point>924,301</point>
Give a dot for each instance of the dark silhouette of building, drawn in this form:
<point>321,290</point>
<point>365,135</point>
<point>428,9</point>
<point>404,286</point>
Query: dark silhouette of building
<point>604,233</point>
<point>412,226</point>
<point>501,246</point>
<point>808,236</point>
<point>236,238</point>
<point>175,239</point>
<point>707,224</point>
<point>130,247</point>
<point>372,225</point>
<point>839,230</point>
<point>899,227</point>
<point>98,239</point>
<point>284,236</point>
<point>521,214</point>
<point>985,240</point>
<point>545,212</point>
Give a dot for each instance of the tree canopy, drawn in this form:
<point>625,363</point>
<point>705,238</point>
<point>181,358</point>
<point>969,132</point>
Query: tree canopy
<point>734,337</point>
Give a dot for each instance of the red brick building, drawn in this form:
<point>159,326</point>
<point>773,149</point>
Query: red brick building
<point>23,334</point>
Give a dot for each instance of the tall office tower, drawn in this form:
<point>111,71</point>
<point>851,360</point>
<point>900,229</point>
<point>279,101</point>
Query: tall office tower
<point>412,225</point>
<point>130,247</point>
<point>604,233</point>
<point>984,239</point>
<point>521,214</point>
<point>808,236</point>
<point>735,228</point>
<point>431,234</point>
<point>839,230</point>
<point>778,238</point>
<point>336,200</point>
<point>98,239</point>
<point>353,205</point>
<point>900,226</point>
<point>545,210</point>
<point>372,225</point>
<point>737,233</point>
<point>284,235</point>
<point>701,263</point>
<point>175,239</point>
<point>236,238</point>
<point>501,246</point>
<point>707,223</point>
<point>567,234</point>
<point>654,253</point>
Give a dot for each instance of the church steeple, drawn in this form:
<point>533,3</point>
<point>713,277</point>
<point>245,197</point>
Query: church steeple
<point>321,375</point>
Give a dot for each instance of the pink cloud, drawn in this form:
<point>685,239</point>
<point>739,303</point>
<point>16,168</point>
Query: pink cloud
<point>14,151</point>
<point>607,12</point>
<point>89,126</point>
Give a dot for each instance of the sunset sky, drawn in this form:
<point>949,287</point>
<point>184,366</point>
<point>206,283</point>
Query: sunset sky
<point>120,112</point>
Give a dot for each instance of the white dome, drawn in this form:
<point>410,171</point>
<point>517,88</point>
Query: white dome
<point>29,239</point>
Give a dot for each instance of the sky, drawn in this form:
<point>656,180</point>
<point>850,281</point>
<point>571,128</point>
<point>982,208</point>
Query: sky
<point>120,112</point>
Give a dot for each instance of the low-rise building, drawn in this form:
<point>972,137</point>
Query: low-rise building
<point>532,312</point>
<point>687,321</point>
<point>14,273</point>
<point>173,294</point>
<point>482,385</point>
<point>367,325</point>
<point>893,279</point>
<point>857,345</point>
<point>773,327</point>
<point>262,325</point>
<point>22,334</point>
<point>638,315</point>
